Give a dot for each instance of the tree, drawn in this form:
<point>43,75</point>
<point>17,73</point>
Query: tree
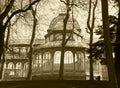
<point>63,41</point>
<point>33,11</point>
<point>6,44</point>
<point>98,47</point>
<point>69,4</point>
<point>117,48</point>
<point>107,47</point>
<point>115,37</point>
<point>4,20</point>
<point>3,15</point>
<point>90,25</point>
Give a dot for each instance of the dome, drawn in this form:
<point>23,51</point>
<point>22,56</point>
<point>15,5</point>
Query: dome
<point>57,23</point>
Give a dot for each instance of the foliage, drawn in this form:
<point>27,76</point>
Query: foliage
<point>98,48</point>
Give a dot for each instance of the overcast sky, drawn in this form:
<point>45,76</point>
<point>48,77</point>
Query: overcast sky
<point>47,11</point>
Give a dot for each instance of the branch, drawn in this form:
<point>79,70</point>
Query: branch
<point>93,17</point>
<point>6,11</point>
<point>19,11</point>
<point>73,26</point>
<point>16,20</point>
<point>63,2</point>
<point>69,3</point>
<point>89,14</point>
<point>7,48</point>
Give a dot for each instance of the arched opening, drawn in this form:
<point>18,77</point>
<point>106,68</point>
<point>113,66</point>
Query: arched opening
<point>37,63</point>
<point>11,68</point>
<point>25,69</point>
<point>68,61</point>
<point>46,63</point>
<point>80,62</point>
<point>18,69</point>
<point>56,62</point>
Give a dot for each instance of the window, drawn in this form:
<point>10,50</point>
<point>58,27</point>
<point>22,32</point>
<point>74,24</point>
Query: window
<point>57,56</point>
<point>37,62</point>
<point>68,60</point>
<point>18,66</point>
<point>34,62</point>
<point>80,63</point>
<point>18,70</point>
<point>10,65</point>
<point>26,66</point>
<point>46,66</point>
<point>11,69</point>
<point>25,70</point>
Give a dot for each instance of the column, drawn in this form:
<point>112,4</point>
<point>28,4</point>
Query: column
<point>52,61</point>
<point>73,61</point>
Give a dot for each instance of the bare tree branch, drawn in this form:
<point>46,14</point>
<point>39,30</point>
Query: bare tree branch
<point>73,26</point>
<point>19,11</point>
<point>93,17</point>
<point>89,15</point>
<point>8,8</point>
<point>63,2</point>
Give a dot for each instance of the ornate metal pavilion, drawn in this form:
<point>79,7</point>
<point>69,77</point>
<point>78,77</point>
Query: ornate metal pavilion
<point>46,62</point>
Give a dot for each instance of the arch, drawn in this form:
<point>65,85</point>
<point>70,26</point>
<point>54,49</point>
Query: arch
<point>46,62</point>
<point>11,65</point>
<point>57,56</point>
<point>25,69</point>
<point>80,63</point>
<point>18,65</point>
<point>34,62</point>
<point>46,57</point>
<point>19,69</point>
<point>56,62</point>
<point>39,60</point>
<point>25,66</point>
<point>68,61</point>
<point>68,57</point>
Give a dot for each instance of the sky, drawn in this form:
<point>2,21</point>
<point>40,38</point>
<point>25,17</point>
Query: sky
<point>49,9</point>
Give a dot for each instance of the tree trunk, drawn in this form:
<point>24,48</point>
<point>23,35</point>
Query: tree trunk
<point>31,43</point>
<point>2,32</point>
<point>63,42</point>
<point>117,50</point>
<point>90,25</point>
<point>3,58</point>
<point>91,59</point>
<point>108,45</point>
<point>1,48</point>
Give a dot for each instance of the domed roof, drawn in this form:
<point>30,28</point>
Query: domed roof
<point>57,23</point>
